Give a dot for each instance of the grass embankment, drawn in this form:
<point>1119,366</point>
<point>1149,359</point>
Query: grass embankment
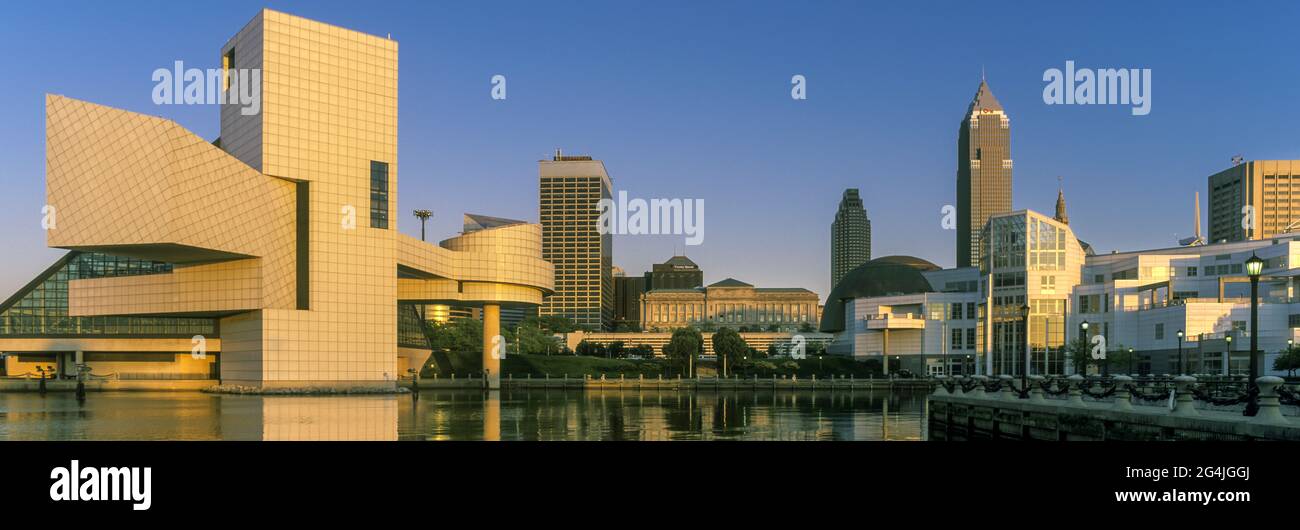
<point>523,365</point>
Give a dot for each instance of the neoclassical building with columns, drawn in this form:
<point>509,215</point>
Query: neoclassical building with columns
<point>274,245</point>
<point>730,303</point>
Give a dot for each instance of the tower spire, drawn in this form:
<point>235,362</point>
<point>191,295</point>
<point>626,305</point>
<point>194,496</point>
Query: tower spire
<point>1061,216</point>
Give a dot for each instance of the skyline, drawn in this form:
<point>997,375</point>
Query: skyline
<point>711,111</point>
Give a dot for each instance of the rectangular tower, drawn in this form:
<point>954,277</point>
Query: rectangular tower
<point>850,236</point>
<point>1271,190</point>
<point>570,188</point>
<point>983,171</point>
<point>328,124</point>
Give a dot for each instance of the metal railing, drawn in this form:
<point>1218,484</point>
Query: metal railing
<point>1182,395</point>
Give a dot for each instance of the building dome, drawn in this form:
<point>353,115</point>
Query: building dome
<point>887,276</point>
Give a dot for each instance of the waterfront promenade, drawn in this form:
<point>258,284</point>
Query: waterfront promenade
<point>1120,408</point>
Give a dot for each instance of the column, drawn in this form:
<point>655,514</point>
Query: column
<point>492,416</point>
<point>493,346</point>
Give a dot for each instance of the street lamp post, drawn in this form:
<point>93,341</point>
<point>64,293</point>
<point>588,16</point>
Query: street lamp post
<point>1082,362</point>
<point>1029,350</point>
<point>943,345</point>
<point>1180,352</point>
<point>1227,370</point>
<point>1254,266</point>
<point>1130,361</point>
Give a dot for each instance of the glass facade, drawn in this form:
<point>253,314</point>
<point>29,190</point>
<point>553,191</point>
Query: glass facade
<point>410,331</point>
<point>42,309</point>
<point>378,194</point>
<point>1021,253</point>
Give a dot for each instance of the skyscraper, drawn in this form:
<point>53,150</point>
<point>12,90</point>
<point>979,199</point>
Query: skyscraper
<point>850,236</point>
<point>570,187</point>
<point>1271,190</point>
<point>983,171</point>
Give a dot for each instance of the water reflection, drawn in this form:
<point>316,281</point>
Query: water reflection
<point>470,415</point>
<point>318,418</point>
<point>665,415</point>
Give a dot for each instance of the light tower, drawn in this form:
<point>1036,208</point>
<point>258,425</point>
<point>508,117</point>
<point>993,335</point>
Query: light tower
<point>424,215</point>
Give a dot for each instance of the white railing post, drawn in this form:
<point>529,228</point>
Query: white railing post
<point>1036,389</point>
<point>1185,404</point>
<point>1270,410</point>
<point>1123,401</point>
<point>1076,390</point>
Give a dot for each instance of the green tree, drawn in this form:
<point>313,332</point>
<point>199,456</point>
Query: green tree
<point>1288,361</point>
<point>1120,359</point>
<point>1080,355</point>
<point>729,347</point>
<point>464,335</point>
<point>551,324</point>
<point>588,349</point>
<point>533,339</point>
<point>685,345</point>
<point>617,350</point>
<point>806,327</point>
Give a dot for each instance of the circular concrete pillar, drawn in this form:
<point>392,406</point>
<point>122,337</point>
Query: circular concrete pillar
<point>494,346</point>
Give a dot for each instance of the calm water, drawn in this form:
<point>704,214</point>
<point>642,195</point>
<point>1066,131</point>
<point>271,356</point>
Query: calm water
<point>469,415</point>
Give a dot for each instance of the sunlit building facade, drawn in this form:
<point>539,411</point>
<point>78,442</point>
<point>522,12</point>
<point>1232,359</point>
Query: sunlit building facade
<point>1174,307</point>
<point>1255,199</point>
<point>283,230</point>
<point>730,303</point>
<point>570,188</point>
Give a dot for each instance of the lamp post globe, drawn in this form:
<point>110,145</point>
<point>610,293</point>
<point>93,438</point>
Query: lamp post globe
<point>1180,352</point>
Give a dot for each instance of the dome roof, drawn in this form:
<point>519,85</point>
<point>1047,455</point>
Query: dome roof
<point>887,276</point>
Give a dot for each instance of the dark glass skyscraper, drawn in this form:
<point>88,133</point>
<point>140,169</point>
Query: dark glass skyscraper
<point>850,236</point>
<point>983,171</point>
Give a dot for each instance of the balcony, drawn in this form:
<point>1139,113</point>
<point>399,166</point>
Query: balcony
<point>895,321</point>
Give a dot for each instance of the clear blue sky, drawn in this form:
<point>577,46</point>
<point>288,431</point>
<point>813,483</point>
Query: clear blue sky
<point>691,100</point>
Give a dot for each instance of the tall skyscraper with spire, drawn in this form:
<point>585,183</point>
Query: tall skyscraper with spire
<point>983,171</point>
<point>850,236</point>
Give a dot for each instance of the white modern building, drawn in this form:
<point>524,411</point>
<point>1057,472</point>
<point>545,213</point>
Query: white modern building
<point>1045,284</point>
